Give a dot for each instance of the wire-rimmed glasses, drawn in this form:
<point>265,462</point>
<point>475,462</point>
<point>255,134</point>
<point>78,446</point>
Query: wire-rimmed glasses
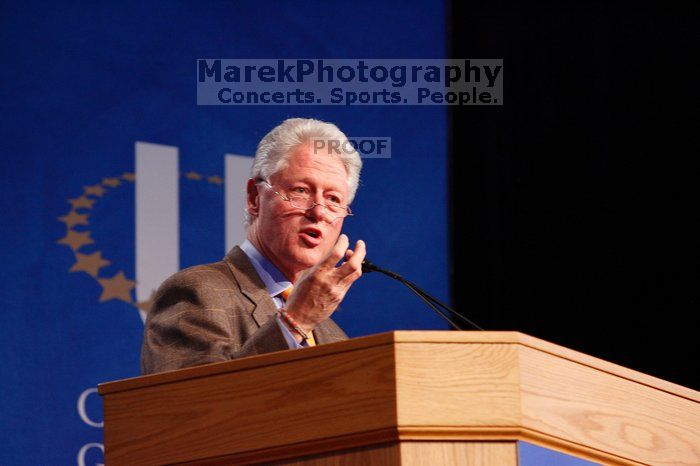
<point>305,202</point>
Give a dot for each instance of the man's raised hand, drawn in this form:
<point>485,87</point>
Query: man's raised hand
<point>321,288</point>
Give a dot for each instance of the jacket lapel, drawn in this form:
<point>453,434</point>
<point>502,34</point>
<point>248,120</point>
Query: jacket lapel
<point>251,285</point>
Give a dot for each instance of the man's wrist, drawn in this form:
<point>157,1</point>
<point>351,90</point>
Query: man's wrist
<point>293,325</point>
<point>300,319</point>
<point>293,339</point>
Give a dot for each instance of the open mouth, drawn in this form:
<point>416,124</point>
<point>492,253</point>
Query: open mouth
<point>311,235</point>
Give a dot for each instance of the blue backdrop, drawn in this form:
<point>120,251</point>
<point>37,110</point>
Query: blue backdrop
<point>81,83</point>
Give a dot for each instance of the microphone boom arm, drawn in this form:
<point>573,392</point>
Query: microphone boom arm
<point>431,301</point>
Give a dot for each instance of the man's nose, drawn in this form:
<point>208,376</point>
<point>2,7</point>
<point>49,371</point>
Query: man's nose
<point>319,212</point>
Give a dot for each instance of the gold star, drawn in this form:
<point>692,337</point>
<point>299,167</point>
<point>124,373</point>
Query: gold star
<point>193,176</point>
<point>129,176</point>
<point>146,306</point>
<point>81,202</point>
<point>95,190</point>
<point>90,263</point>
<point>215,179</point>
<point>76,240</point>
<point>73,219</point>
<point>111,182</point>
<point>117,287</point>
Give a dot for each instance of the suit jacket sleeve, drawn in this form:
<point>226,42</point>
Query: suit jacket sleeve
<point>200,316</point>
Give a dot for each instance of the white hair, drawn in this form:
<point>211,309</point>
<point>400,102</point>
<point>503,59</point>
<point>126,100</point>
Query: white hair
<point>274,149</point>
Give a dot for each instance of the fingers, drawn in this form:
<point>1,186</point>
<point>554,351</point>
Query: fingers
<point>321,288</point>
<point>337,252</point>
<point>358,255</point>
<point>352,268</point>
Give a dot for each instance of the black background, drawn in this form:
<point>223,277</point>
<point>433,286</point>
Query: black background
<point>575,204</point>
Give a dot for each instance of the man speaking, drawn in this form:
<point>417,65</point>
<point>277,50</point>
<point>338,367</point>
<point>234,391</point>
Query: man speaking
<point>279,288</point>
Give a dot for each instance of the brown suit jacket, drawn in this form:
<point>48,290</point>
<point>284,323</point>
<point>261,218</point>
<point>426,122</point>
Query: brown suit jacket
<point>215,312</point>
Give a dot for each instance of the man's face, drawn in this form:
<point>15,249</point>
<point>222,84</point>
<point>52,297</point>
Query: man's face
<point>294,239</point>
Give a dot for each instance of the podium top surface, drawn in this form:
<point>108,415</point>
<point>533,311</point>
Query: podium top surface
<point>401,337</point>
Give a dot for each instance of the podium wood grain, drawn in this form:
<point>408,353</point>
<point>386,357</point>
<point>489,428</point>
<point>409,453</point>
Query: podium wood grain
<point>418,398</point>
<point>418,454</point>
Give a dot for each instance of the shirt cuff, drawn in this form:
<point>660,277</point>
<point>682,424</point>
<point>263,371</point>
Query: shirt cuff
<point>291,342</point>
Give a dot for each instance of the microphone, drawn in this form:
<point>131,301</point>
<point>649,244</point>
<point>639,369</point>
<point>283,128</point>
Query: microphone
<point>432,302</point>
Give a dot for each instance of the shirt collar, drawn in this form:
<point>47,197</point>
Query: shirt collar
<point>275,282</point>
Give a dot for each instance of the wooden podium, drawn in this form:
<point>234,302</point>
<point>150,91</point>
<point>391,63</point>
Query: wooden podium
<point>408,398</point>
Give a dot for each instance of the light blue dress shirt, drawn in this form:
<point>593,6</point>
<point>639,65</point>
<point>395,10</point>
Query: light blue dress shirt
<point>275,283</point>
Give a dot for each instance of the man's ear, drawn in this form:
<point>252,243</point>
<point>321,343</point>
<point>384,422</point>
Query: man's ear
<point>252,198</point>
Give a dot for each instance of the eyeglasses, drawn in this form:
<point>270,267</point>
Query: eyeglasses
<point>304,202</point>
